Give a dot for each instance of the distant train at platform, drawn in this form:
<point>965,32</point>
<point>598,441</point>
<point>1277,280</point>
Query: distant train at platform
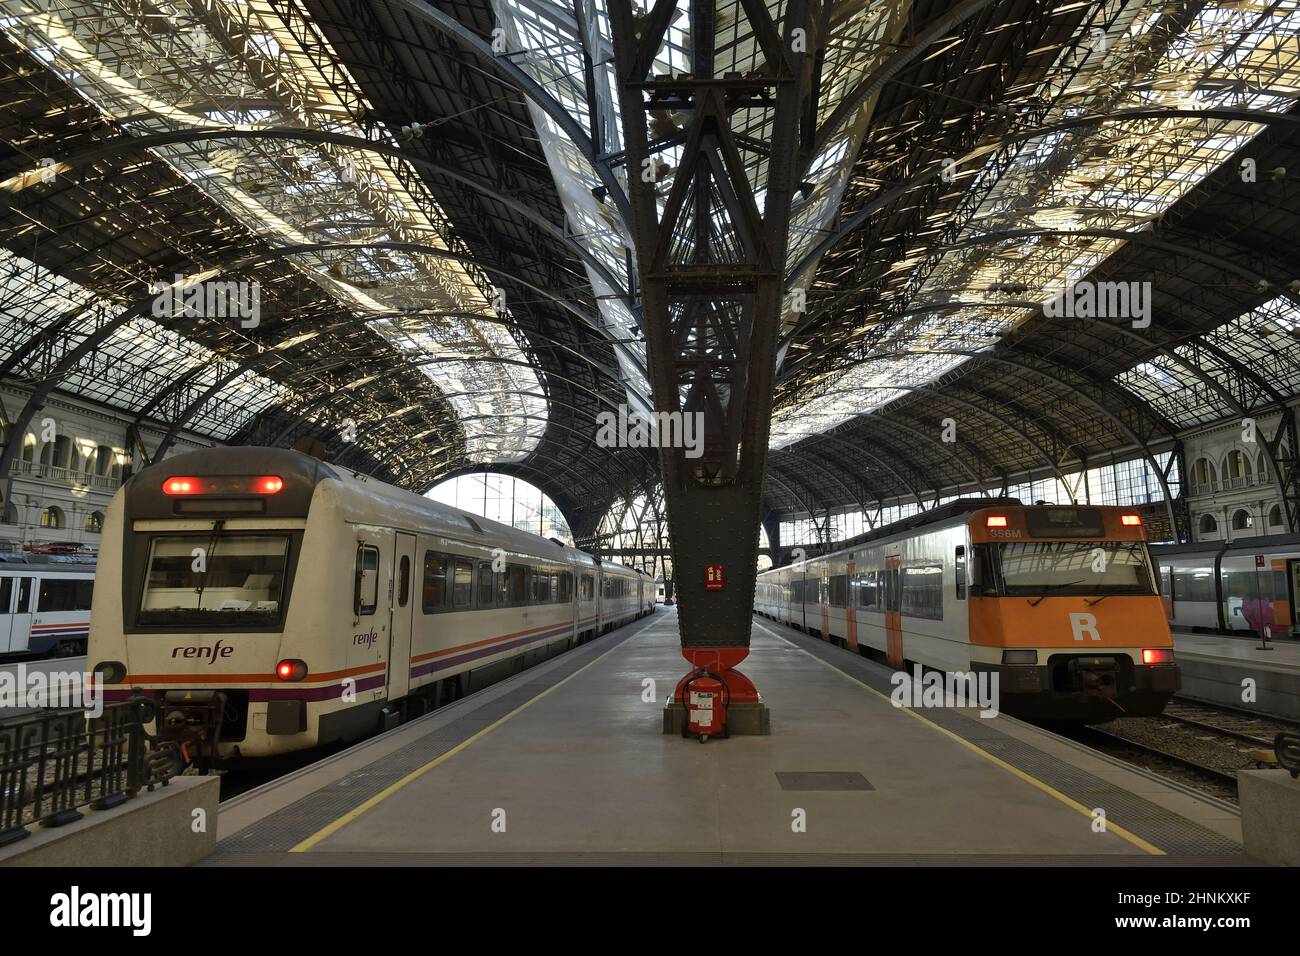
<point>45,603</point>
<point>1247,585</point>
<point>1060,602</point>
<point>269,602</point>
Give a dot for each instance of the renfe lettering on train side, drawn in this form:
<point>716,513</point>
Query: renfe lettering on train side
<point>199,651</point>
<point>367,638</point>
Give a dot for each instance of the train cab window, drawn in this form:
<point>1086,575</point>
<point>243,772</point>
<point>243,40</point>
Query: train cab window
<point>555,588</point>
<point>486,584</point>
<point>434,595</point>
<point>566,587</point>
<point>403,581</point>
<point>463,583</point>
<point>64,595</point>
<point>365,594</point>
<point>959,567</point>
<point>238,583</point>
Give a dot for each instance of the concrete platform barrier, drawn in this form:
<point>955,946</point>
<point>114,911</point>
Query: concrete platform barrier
<point>153,829</point>
<point>1270,815</point>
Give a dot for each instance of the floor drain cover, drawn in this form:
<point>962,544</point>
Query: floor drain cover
<point>823,780</point>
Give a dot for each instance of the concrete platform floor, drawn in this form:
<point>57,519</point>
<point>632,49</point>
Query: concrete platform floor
<point>1283,653</point>
<point>573,767</point>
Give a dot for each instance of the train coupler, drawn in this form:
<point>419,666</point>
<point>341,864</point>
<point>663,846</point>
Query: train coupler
<point>191,721</point>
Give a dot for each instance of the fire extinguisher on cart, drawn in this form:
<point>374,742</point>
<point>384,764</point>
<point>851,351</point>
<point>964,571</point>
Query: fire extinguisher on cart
<point>706,696</point>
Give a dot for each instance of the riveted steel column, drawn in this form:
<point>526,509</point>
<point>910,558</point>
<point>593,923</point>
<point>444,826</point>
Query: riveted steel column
<point>712,268</point>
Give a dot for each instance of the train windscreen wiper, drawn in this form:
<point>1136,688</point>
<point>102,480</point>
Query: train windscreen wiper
<point>1050,588</point>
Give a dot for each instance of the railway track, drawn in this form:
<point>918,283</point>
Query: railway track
<point>1201,744</point>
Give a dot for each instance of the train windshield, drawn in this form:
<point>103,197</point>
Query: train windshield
<point>1075,567</point>
<point>222,580</point>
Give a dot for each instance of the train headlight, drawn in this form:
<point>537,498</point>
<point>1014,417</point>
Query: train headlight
<point>110,672</point>
<point>995,521</point>
<point>1026,656</point>
<point>291,670</point>
<point>1131,521</point>
<point>1157,655</point>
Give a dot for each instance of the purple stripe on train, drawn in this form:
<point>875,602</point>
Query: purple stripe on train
<point>438,665</point>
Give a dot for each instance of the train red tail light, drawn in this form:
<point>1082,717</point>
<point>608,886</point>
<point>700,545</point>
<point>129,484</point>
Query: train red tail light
<point>1157,655</point>
<point>291,670</point>
<point>182,486</point>
<point>1131,521</point>
<point>995,521</point>
<point>224,485</point>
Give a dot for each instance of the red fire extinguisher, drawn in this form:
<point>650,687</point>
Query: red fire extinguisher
<point>706,696</point>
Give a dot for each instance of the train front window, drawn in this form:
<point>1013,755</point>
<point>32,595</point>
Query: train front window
<point>222,580</point>
<point>1074,567</point>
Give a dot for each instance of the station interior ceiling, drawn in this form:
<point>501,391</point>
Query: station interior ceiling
<point>446,287</point>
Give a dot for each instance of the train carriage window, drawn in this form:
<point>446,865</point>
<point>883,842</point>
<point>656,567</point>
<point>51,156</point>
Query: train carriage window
<point>487,589</point>
<point>867,591</point>
<point>434,596</point>
<point>959,566</point>
<point>588,588</point>
<point>922,591</point>
<point>365,594</point>
<point>517,585</point>
<point>64,595</point>
<point>891,590</point>
<point>541,588</point>
<point>462,594</point>
<point>6,594</point>
<point>566,587</point>
<point>404,581</point>
<point>555,588</point>
<point>837,589</point>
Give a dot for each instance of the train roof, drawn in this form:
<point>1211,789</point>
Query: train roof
<point>1255,543</point>
<point>943,513</point>
<point>303,471</point>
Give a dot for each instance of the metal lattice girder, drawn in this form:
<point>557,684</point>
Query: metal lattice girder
<point>712,269</point>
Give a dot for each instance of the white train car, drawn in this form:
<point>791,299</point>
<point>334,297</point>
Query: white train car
<point>271,603</point>
<point>44,606</point>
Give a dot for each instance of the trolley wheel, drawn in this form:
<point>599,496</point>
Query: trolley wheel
<point>703,737</point>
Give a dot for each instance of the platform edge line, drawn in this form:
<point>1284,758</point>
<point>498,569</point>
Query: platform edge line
<point>1028,778</point>
<point>331,828</point>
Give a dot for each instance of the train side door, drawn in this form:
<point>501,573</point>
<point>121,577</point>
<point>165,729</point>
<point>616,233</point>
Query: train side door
<point>850,607</point>
<point>893,612</point>
<point>6,611</point>
<point>402,609</point>
<point>1293,583</point>
<point>20,622</point>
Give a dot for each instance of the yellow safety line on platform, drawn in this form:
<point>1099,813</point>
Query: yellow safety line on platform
<point>1030,779</point>
<point>415,774</point>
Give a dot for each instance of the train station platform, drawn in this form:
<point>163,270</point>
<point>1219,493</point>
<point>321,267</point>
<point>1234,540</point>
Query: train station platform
<point>567,763</point>
<point>1215,668</point>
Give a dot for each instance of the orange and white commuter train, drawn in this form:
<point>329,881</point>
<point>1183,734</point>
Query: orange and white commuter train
<point>269,602</point>
<point>1060,602</point>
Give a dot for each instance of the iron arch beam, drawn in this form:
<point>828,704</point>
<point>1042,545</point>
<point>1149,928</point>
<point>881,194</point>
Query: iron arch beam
<point>71,358</point>
<point>1031,442</point>
<point>133,144</point>
<point>518,78</point>
<point>852,222</point>
<point>896,63</point>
